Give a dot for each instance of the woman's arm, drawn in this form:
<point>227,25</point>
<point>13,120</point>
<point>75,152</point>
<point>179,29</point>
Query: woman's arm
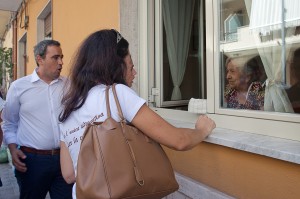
<point>66,164</point>
<point>164,133</point>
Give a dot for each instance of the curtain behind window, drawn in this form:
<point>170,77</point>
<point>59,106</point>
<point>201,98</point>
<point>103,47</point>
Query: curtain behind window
<point>177,17</point>
<point>265,18</point>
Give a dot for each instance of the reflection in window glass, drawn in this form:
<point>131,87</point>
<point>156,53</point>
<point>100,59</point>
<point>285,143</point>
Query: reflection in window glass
<point>244,83</point>
<point>260,55</point>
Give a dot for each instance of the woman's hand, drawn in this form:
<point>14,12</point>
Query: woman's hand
<point>205,125</point>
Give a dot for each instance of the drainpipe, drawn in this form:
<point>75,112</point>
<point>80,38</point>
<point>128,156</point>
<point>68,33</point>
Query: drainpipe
<point>15,39</point>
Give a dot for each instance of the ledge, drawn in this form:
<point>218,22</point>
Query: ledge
<point>191,189</point>
<point>278,148</point>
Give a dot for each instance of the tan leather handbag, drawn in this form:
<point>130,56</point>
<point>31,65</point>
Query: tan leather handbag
<point>116,160</point>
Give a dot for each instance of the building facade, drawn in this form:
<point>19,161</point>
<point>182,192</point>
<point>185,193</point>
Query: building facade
<point>181,50</point>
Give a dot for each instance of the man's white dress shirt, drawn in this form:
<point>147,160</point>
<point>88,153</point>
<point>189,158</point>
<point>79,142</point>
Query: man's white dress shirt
<point>30,115</point>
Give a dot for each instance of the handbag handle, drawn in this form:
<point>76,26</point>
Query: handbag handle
<point>120,113</point>
<point>107,102</point>
<point>138,176</point>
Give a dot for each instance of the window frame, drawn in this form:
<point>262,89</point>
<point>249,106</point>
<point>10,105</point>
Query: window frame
<point>41,21</point>
<point>22,56</point>
<point>282,125</point>
<point>158,54</point>
<point>288,117</point>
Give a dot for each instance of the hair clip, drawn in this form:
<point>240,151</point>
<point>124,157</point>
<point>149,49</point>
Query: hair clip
<point>119,36</point>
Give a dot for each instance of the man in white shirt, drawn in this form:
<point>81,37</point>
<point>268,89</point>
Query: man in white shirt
<point>30,125</point>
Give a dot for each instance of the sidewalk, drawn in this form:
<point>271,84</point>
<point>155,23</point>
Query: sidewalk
<point>10,189</point>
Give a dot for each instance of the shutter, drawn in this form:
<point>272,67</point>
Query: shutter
<point>48,25</point>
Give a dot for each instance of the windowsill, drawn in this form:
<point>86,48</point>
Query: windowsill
<point>278,148</point>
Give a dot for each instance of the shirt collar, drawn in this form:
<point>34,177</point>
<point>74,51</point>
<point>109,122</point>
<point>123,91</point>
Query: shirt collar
<point>35,77</point>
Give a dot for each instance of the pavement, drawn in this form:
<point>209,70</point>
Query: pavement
<point>10,189</point>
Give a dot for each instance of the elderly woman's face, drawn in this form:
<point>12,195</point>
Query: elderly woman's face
<point>233,75</point>
<point>130,72</point>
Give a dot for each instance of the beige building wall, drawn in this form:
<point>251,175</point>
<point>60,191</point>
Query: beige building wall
<point>32,10</point>
<point>71,24</point>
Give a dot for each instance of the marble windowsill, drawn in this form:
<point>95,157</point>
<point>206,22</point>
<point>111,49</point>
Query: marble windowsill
<point>278,148</point>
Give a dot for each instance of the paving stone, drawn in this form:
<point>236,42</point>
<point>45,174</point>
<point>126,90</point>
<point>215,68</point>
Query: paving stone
<point>10,189</point>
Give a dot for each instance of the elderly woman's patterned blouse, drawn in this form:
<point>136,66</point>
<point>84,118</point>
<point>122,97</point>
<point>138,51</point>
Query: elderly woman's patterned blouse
<point>254,98</point>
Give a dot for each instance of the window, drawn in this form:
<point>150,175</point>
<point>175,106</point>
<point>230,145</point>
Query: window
<point>22,56</point>
<point>181,67</point>
<point>223,33</point>
<point>44,23</point>
<point>231,24</point>
<point>259,67</point>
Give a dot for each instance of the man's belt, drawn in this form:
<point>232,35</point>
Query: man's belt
<point>40,152</point>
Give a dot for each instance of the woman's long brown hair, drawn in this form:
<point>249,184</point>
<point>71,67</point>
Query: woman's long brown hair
<point>99,60</point>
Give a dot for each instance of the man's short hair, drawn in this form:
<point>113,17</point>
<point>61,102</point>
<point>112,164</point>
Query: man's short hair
<point>41,48</point>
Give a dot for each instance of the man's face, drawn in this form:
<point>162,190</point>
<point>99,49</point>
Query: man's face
<point>50,67</point>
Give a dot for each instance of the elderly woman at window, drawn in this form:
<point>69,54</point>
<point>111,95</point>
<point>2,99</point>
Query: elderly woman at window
<point>244,89</point>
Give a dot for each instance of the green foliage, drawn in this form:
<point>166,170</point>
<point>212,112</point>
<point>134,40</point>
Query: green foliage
<point>6,59</point>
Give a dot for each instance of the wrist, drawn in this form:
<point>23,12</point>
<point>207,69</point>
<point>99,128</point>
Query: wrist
<point>12,146</point>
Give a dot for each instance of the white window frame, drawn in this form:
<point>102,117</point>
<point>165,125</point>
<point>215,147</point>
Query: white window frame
<point>281,125</point>
<point>288,117</point>
<point>158,92</point>
<point>158,22</point>
<point>41,21</point>
<point>21,70</point>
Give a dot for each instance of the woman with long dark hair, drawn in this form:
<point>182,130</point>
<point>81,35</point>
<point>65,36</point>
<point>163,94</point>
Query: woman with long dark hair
<point>102,60</point>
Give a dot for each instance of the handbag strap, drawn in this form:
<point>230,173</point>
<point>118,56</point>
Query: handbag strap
<point>139,178</point>
<point>107,102</point>
<point>116,100</point>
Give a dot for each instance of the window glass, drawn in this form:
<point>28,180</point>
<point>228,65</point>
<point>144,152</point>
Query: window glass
<point>260,55</point>
<point>183,70</point>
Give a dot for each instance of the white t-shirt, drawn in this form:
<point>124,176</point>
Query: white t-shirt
<point>94,109</point>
